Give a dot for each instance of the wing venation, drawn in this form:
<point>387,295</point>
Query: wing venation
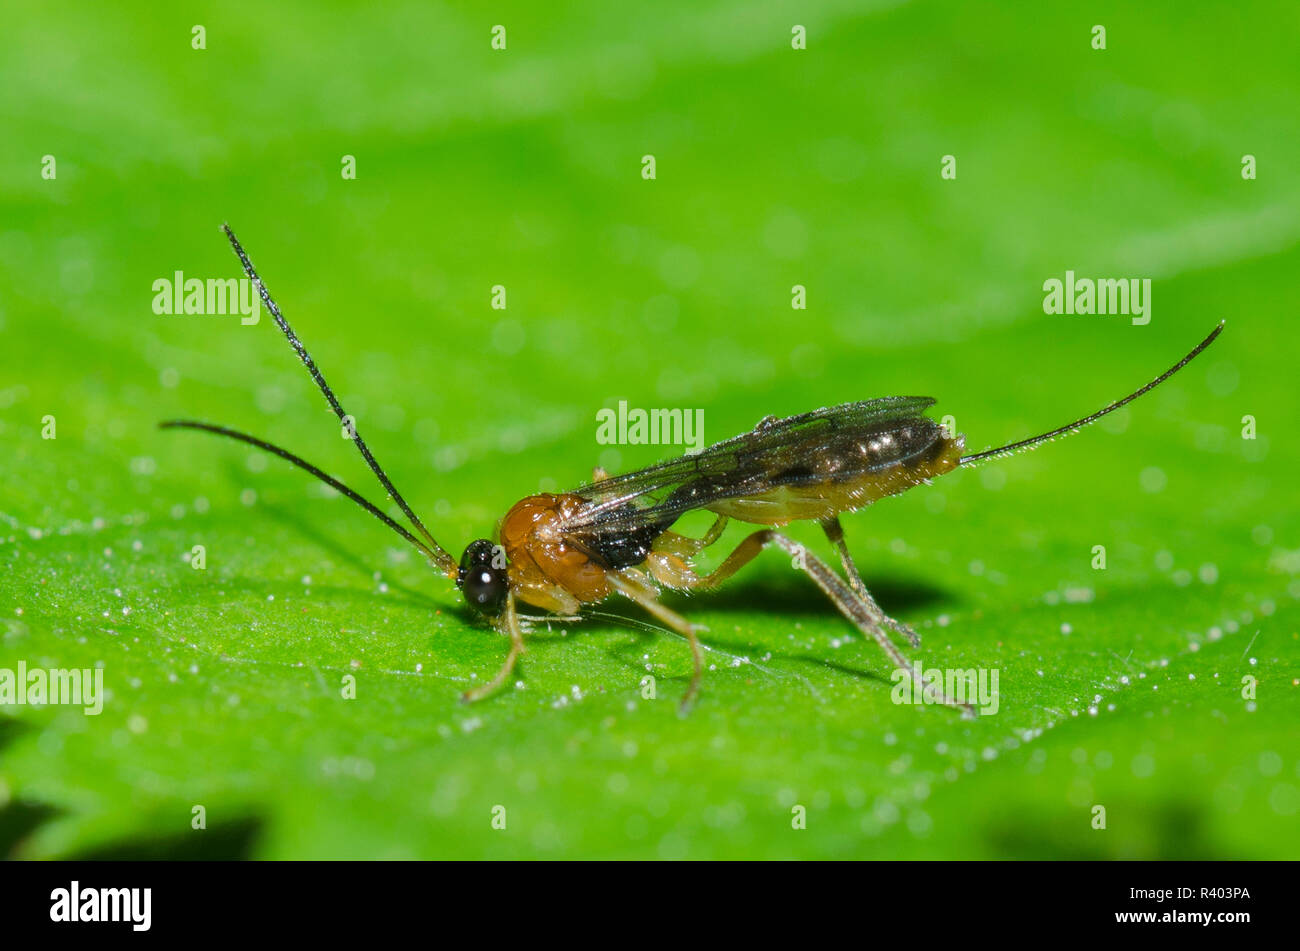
<point>834,443</point>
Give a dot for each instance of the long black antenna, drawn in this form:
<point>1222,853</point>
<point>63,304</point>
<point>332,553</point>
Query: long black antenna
<point>307,467</point>
<point>439,554</point>
<point>1080,423</point>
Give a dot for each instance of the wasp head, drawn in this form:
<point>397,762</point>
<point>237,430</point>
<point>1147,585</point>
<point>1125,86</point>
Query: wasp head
<point>482,577</point>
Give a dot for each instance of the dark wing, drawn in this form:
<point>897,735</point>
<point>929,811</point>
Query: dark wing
<point>813,447</point>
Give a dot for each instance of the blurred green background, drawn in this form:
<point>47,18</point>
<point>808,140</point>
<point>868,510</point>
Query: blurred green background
<point>522,167</point>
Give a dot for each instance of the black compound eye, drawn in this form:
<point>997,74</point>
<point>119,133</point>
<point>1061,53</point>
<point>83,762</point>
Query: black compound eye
<point>482,577</point>
<point>485,589</point>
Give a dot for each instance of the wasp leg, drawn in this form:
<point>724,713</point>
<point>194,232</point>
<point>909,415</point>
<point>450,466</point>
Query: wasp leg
<point>668,561</point>
<point>684,547</point>
<point>548,597</point>
<point>864,615</point>
<point>634,585</point>
<point>835,533</point>
<point>669,566</point>
<point>509,624</point>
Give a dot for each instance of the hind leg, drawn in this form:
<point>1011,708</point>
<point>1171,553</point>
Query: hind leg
<point>863,613</point>
<point>673,570</point>
<point>835,533</point>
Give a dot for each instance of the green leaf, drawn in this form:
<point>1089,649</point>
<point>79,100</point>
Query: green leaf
<point>1119,687</point>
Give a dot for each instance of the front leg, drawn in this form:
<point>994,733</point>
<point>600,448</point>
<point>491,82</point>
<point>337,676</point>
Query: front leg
<point>508,624</point>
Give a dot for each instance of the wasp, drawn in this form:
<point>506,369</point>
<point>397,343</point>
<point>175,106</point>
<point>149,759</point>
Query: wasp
<point>562,551</point>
